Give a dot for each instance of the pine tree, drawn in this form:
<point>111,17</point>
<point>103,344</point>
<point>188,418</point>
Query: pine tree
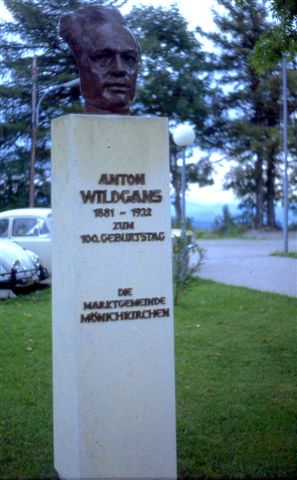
<point>250,105</point>
<point>33,32</point>
<point>173,83</point>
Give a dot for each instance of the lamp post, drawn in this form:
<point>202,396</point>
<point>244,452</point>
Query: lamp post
<point>35,122</point>
<point>33,133</point>
<point>285,141</point>
<point>183,136</point>
<point>51,89</point>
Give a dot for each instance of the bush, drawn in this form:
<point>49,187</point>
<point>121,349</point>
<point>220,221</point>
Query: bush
<point>187,259</point>
<point>229,224</point>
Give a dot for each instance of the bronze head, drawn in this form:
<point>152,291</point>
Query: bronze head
<point>107,56</point>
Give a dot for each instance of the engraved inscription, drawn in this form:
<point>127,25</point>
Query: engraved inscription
<point>131,315</point>
<point>125,292</point>
<point>123,237</point>
<point>121,196</point>
<point>124,196</point>
<point>93,311</point>
<point>104,212</point>
<point>141,212</point>
<point>122,179</point>
<point>123,225</point>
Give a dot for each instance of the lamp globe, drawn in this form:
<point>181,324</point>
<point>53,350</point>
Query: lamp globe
<point>183,135</point>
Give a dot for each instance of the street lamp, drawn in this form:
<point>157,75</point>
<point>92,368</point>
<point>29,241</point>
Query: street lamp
<point>51,89</point>
<point>35,123</point>
<point>183,136</point>
<point>285,142</point>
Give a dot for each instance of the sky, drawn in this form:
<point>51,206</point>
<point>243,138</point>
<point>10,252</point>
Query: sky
<point>197,13</point>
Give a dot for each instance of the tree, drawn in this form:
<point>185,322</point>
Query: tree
<point>173,83</point>
<point>282,41</point>
<point>249,106</point>
<point>33,31</point>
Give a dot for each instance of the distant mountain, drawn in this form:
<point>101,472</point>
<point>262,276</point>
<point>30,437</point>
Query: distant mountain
<point>203,215</point>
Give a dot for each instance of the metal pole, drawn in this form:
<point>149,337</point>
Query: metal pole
<point>70,84</point>
<point>35,122</point>
<point>183,225</point>
<point>183,203</point>
<point>285,127</point>
<point>33,134</point>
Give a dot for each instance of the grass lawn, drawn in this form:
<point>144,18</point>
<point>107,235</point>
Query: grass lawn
<point>282,254</point>
<point>26,387</point>
<point>236,364</point>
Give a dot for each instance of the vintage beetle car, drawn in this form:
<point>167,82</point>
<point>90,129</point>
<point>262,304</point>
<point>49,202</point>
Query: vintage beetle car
<point>30,228</point>
<point>19,267</point>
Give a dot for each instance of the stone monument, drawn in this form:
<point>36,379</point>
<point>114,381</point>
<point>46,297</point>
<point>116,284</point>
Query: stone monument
<point>113,351</point>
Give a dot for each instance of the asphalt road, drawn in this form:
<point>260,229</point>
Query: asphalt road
<point>249,263</point>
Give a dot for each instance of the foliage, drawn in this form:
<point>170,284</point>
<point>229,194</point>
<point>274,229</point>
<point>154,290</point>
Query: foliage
<point>187,260</point>
<point>249,111</point>
<point>224,222</point>
<point>172,64</point>
<point>287,255</point>
<point>230,224</point>
<point>173,82</point>
<point>235,378</point>
<point>33,31</point>
<point>282,41</point>
<point>293,226</point>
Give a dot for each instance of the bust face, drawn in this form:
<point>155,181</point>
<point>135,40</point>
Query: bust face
<point>108,68</point>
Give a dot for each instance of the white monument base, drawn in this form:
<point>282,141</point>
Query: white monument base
<point>113,354</point>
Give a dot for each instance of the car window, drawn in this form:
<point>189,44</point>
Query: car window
<point>29,227</point>
<point>49,220</point>
<point>22,227</point>
<point>43,229</point>
<point>3,227</point>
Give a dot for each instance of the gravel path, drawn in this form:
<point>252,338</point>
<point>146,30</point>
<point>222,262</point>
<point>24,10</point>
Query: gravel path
<point>248,263</point>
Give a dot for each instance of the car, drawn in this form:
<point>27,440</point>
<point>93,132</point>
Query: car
<point>30,228</point>
<point>19,267</point>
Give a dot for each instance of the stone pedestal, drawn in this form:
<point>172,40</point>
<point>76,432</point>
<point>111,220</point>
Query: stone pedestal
<point>113,354</point>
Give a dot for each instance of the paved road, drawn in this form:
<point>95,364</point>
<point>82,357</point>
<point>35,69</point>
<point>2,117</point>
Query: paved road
<point>248,263</point>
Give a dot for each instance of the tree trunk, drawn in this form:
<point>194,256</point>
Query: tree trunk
<point>258,222</point>
<point>176,183</point>
<point>177,208</point>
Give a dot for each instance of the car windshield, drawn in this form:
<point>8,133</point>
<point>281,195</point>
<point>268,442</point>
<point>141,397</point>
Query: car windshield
<point>24,227</point>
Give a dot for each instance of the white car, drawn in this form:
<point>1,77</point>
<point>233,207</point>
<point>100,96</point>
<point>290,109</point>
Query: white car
<point>30,228</point>
<point>19,267</point>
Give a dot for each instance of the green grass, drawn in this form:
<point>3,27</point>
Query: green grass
<point>236,363</point>
<point>204,234</point>
<point>26,388</point>
<point>283,254</point>
<point>236,355</point>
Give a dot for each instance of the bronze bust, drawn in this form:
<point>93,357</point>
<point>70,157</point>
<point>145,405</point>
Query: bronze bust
<point>107,55</point>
